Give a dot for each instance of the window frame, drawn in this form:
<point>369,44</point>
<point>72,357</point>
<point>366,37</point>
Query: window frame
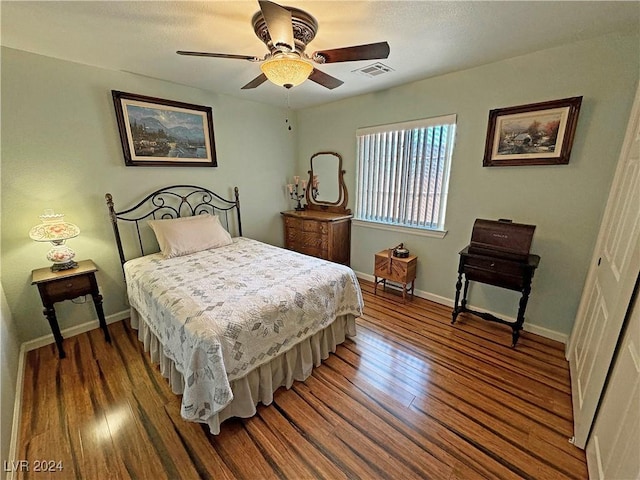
<point>434,230</point>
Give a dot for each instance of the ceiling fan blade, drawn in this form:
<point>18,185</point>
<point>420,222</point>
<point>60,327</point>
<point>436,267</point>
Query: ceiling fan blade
<point>218,55</point>
<point>256,82</point>
<point>371,51</point>
<point>324,79</point>
<point>279,24</point>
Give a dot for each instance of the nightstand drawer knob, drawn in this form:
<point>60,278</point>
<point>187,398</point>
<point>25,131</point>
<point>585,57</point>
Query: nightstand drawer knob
<point>69,285</point>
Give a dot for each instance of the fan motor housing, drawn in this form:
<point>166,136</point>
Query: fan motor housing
<point>304,25</point>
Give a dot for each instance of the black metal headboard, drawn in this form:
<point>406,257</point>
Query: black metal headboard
<point>173,202</point>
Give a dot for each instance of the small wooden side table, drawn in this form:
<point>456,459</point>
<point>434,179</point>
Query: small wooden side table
<point>395,269</point>
<point>67,285</point>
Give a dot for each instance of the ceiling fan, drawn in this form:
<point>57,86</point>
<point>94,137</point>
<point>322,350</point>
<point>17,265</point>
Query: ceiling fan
<point>286,31</point>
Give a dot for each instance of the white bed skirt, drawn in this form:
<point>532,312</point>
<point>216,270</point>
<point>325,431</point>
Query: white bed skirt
<point>259,384</point>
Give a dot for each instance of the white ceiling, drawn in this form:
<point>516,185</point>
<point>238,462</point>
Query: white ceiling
<point>427,38</point>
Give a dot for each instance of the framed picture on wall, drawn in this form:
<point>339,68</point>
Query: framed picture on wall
<point>156,132</point>
<point>534,134</point>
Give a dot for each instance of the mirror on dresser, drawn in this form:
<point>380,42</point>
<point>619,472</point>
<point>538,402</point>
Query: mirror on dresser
<point>327,190</point>
<point>323,228</point>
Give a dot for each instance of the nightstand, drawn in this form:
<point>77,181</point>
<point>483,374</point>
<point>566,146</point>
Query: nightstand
<point>395,269</point>
<point>67,285</point>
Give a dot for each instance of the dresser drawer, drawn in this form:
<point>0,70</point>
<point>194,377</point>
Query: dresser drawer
<point>67,288</point>
<point>314,226</point>
<point>315,249</point>
<point>293,223</point>
<point>494,271</point>
<point>313,240</point>
<point>511,282</point>
<point>494,265</point>
<point>299,241</point>
<point>290,237</point>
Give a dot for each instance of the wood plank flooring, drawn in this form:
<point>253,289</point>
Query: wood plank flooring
<point>411,396</point>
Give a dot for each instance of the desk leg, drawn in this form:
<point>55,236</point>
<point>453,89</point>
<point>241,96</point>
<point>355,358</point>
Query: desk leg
<point>463,304</point>
<point>50,313</point>
<point>455,312</point>
<point>97,301</point>
<point>521,309</point>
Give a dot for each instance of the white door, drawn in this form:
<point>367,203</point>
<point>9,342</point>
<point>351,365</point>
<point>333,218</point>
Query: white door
<point>609,285</point>
<point>613,450</point>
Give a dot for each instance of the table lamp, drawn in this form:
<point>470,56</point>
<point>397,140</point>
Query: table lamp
<point>55,230</point>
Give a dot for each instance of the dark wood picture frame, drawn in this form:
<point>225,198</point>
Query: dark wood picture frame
<point>533,134</point>
<point>164,133</point>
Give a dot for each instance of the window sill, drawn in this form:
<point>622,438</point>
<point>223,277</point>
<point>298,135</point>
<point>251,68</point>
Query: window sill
<point>421,232</point>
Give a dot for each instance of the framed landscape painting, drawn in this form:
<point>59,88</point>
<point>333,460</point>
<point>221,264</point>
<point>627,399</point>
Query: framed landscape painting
<point>156,132</point>
<point>534,134</point>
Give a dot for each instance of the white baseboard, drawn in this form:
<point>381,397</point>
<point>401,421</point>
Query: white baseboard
<point>546,332</point>
<point>528,327</point>
<point>73,331</point>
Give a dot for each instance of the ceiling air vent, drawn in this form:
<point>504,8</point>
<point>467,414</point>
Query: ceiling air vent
<point>373,70</point>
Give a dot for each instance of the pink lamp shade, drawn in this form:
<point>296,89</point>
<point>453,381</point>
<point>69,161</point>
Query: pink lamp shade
<point>55,230</point>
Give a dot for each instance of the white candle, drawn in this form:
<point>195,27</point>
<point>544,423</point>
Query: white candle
<point>296,179</point>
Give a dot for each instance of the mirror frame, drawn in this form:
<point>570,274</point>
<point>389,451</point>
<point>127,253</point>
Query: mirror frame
<point>340,206</point>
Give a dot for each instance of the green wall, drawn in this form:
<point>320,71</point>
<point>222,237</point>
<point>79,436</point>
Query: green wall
<point>61,150</point>
<point>566,202</point>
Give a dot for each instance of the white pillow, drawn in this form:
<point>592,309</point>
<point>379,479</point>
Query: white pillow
<point>180,236</point>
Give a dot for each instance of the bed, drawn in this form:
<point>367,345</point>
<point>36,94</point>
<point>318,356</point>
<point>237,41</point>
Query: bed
<point>228,319</point>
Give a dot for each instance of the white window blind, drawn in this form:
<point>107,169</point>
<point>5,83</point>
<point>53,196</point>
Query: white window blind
<point>403,172</point>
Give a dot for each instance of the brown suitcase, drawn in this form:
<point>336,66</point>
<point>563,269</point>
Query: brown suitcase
<point>502,239</point>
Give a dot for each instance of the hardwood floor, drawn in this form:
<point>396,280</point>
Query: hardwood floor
<point>410,397</point>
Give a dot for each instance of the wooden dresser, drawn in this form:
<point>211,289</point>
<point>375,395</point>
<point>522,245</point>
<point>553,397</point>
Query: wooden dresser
<point>318,233</point>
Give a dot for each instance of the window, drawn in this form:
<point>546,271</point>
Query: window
<point>403,172</point>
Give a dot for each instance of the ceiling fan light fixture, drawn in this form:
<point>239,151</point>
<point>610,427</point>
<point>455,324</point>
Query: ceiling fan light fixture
<point>286,70</point>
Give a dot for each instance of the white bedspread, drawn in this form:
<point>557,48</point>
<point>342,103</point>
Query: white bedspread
<point>220,313</point>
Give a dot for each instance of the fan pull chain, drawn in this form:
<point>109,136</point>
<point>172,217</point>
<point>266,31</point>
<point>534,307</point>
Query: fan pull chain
<point>286,120</point>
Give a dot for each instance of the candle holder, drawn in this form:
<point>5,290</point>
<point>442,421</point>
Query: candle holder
<point>296,194</point>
